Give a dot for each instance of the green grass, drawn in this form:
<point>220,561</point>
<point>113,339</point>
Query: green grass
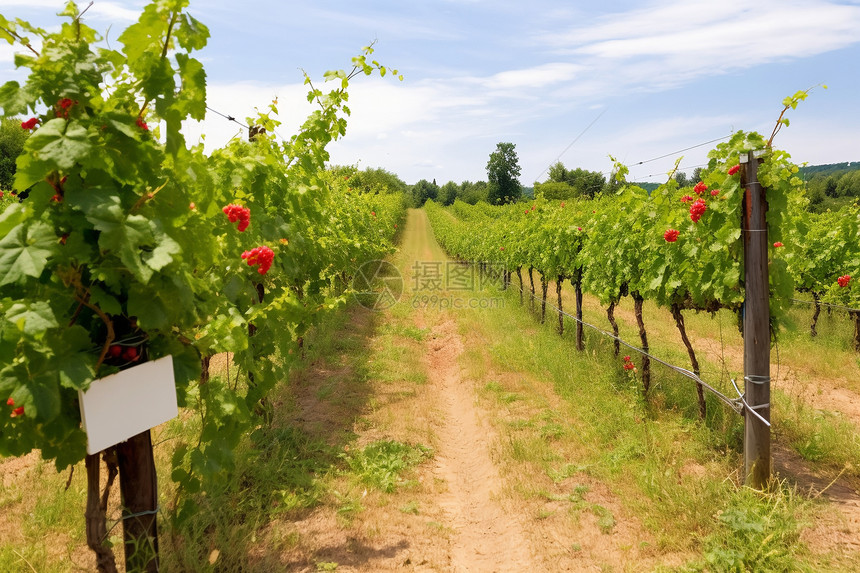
<point>286,470</point>
<point>381,464</point>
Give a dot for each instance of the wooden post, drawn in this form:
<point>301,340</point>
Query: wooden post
<point>757,462</point>
<point>138,486</point>
<point>558,284</point>
<point>577,289</point>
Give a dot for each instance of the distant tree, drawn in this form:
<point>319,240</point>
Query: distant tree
<point>503,171</point>
<point>377,181</point>
<point>848,185</point>
<point>580,182</point>
<point>830,187</point>
<point>553,190</point>
<point>697,176</point>
<point>422,191</point>
<point>557,172</point>
<point>448,193</point>
<point>587,183</point>
<point>12,139</point>
<point>681,179</point>
<point>472,193</point>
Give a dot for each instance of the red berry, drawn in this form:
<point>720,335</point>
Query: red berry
<point>142,124</point>
<point>129,354</point>
<point>715,192</point>
<point>671,235</point>
<point>261,256</point>
<point>30,123</point>
<point>238,213</point>
<point>686,199</point>
<point>115,350</point>
<point>734,169</point>
<point>843,280</point>
<point>777,244</point>
<point>697,210</point>
<point>17,412</point>
<point>10,402</point>
<point>700,188</point>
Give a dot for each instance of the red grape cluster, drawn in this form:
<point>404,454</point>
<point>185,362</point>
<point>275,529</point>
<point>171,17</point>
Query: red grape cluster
<point>671,235</point>
<point>697,209</point>
<point>19,411</point>
<point>843,280</point>
<point>125,353</point>
<point>628,363</point>
<point>238,213</point>
<point>261,256</point>
<point>700,188</point>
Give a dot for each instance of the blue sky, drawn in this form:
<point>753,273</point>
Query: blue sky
<point>658,76</point>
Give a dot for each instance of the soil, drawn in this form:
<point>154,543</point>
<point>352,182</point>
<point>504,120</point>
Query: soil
<point>487,536</point>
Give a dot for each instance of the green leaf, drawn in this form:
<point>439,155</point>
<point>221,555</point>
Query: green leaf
<point>74,358</point>
<point>13,99</point>
<point>192,34</point>
<point>163,253</point>
<point>60,144</point>
<point>148,307</point>
<point>105,301</point>
<point>25,251</point>
<point>32,318</point>
<point>121,233</point>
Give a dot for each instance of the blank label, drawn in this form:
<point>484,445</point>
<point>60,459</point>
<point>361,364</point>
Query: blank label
<point>125,404</point>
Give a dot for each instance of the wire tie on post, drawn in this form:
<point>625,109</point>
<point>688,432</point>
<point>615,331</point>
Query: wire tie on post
<point>757,379</point>
<point>746,406</point>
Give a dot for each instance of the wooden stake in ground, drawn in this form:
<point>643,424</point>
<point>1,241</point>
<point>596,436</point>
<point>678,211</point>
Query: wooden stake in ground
<point>558,283</point>
<point>522,288</point>
<point>532,281</point>
<point>139,488</point>
<point>577,289</point>
<point>757,461</point>
<point>95,514</point>
<point>544,285</point>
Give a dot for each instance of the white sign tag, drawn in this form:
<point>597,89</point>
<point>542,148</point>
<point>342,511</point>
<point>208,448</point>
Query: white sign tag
<point>127,403</point>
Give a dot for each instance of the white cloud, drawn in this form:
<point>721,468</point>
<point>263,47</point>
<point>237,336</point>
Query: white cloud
<point>692,38</point>
<point>113,12</point>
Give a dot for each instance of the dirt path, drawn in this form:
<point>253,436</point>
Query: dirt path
<point>487,538</point>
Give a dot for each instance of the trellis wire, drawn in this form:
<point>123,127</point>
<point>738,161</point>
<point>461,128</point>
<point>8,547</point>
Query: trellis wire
<point>738,404</point>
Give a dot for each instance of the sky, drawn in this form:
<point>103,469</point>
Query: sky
<point>573,82</point>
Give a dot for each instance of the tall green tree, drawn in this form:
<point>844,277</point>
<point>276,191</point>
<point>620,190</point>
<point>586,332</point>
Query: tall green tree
<point>12,138</point>
<point>424,190</point>
<point>503,171</point>
<point>448,193</point>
